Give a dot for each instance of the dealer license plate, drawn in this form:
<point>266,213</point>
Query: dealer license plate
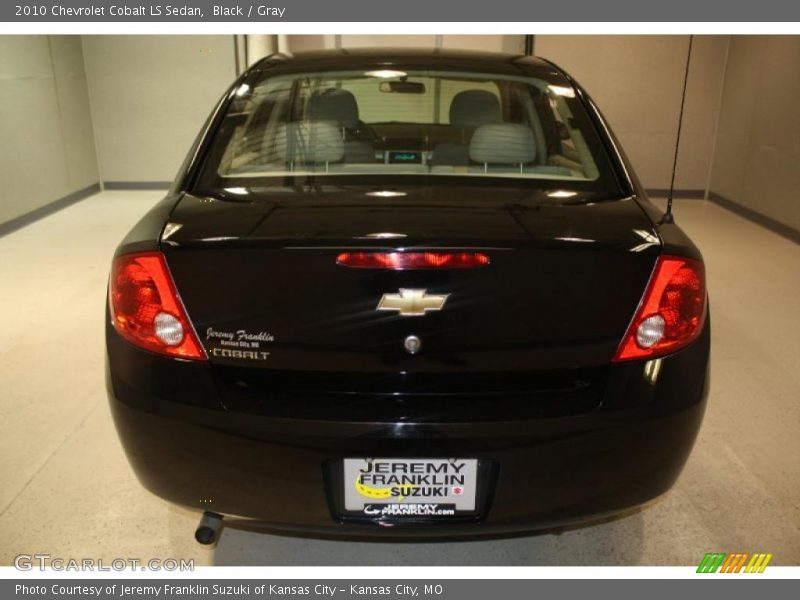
<point>410,487</point>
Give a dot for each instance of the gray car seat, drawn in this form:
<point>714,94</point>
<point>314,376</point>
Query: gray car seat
<point>309,143</point>
<point>341,107</point>
<point>508,148</point>
<point>468,110</point>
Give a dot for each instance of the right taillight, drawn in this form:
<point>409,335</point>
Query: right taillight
<point>671,313</point>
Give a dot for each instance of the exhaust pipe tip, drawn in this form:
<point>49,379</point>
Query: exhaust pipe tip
<point>209,529</point>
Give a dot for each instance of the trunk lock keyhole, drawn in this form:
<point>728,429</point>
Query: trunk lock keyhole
<point>412,344</point>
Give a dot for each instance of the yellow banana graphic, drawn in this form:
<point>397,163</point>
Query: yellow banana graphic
<point>378,493</point>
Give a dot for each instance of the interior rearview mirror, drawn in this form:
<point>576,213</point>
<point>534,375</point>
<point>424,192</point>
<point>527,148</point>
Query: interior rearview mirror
<point>402,87</point>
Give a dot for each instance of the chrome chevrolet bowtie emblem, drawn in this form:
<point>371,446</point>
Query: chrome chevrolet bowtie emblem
<point>412,303</point>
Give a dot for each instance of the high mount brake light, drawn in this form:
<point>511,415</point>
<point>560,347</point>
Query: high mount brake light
<point>146,309</point>
<point>671,313</point>
<point>412,260</point>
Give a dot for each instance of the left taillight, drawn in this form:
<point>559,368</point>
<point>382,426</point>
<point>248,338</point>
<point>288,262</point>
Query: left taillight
<point>146,309</point>
<point>671,313</point>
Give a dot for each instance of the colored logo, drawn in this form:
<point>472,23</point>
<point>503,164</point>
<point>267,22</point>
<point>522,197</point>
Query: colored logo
<point>743,562</point>
<point>380,493</point>
<point>412,303</point>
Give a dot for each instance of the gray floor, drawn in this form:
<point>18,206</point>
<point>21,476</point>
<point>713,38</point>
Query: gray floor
<point>68,491</point>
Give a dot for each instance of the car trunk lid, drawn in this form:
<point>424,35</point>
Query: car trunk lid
<point>257,271</point>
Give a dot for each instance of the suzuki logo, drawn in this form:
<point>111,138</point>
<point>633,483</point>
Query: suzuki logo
<point>412,303</point>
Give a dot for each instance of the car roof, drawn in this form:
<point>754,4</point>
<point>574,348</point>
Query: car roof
<point>421,58</point>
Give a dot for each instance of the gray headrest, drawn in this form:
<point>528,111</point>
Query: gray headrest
<point>310,142</point>
<point>504,143</point>
<point>472,108</point>
<point>334,105</point>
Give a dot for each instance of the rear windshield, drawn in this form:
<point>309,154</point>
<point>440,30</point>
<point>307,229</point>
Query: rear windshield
<point>408,122</point>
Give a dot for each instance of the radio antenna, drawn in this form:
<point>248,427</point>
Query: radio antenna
<point>668,218</point>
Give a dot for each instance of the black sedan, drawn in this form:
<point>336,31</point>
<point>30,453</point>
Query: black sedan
<point>406,293</point>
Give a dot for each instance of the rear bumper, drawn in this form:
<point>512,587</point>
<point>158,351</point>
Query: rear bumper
<point>281,472</point>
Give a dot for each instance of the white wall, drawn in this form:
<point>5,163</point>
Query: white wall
<point>388,41</point>
<point>757,159</point>
<point>637,83</point>
<point>150,95</point>
<point>512,44</point>
<point>302,43</point>
<point>47,150</point>
<point>488,43</point>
